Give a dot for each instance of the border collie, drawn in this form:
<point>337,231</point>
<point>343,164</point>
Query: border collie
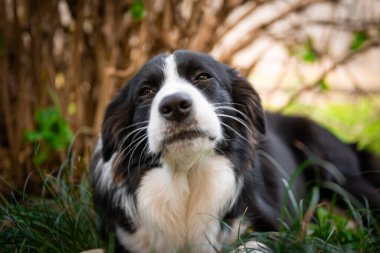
<point>186,148</point>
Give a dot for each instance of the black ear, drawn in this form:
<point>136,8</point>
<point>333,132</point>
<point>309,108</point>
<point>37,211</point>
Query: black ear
<point>118,115</point>
<point>247,100</point>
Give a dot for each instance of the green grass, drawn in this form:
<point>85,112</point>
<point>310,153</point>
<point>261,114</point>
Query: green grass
<point>319,228</point>
<point>62,219</point>
<point>352,121</point>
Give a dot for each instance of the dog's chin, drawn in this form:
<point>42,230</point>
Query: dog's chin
<point>187,145</point>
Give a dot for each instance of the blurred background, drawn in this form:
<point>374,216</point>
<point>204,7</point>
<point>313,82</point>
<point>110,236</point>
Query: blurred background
<point>61,61</point>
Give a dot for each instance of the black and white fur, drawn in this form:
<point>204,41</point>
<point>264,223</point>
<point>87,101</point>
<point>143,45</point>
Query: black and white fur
<point>186,145</point>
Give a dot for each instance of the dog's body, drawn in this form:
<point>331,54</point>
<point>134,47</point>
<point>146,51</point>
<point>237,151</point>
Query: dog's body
<point>186,145</point>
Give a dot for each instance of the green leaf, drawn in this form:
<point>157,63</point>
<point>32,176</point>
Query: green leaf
<point>358,39</point>
<point>33,136</point>
<point>304,51</point>
<point>323,85</point>
<point>52,131</point>
<point>309,54</point>
<point>138,10</point>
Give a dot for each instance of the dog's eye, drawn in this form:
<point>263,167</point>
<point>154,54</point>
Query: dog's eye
<point>202,76</point>
<point>146,91</point>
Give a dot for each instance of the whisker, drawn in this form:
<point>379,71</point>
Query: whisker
<point>136,124</point>
<point>148,100</point>
<point>233,130</point>
<point>134,149</point>
<point>143,106</point>
<point>232,109</point>
<point>127,127</point>
<point>236,119</point>
<point>121,154</point>
<point>146,103</point>
<point>139,141</point>
<point>228,103</point>
<point>138,130</point>
<point>134,140</point>
<point>142,152</point>
<point>153,159</point>
<point>218,149</point>
<point>148,154</point>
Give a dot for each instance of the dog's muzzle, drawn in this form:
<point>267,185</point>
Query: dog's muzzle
<point>182,120</point>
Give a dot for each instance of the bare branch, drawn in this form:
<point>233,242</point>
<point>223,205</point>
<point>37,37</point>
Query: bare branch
<point>250,37</point>
<point>347,24</point>
<point>249,12</point>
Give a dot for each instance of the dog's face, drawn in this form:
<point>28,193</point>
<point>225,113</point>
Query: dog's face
<point>178,108</point>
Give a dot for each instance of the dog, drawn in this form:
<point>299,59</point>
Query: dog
<point>186,148</point>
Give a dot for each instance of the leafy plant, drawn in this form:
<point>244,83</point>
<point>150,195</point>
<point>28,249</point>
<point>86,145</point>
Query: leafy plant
<point>62,219</point>
<point>305,51</point>
<point>358,39</point>
<point>52,133</point>
<point>309,55</point>
<point>137,10</point>
<point>323,85</point>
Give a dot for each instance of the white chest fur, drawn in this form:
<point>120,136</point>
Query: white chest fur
<point>180,211</point>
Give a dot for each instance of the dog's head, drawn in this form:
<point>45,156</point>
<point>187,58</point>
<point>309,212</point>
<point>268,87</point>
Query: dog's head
<point>179,107</point>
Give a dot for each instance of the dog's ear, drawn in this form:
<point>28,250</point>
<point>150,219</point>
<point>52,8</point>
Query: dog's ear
<point>247,100</point>
<point>118,115</point>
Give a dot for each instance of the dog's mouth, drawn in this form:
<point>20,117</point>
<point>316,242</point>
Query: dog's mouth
<point>186,135</point>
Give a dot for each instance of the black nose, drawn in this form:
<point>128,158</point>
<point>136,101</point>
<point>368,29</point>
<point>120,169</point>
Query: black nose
<point>176,107</point>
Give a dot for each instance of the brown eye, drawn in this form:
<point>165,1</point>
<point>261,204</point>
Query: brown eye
<point>202,77</point>
<point>146,91</point>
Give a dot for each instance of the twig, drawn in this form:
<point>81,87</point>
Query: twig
<point>347,24</point>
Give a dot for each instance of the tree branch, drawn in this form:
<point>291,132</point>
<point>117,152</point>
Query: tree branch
<point>253,33</point>
<point>232,25</point>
